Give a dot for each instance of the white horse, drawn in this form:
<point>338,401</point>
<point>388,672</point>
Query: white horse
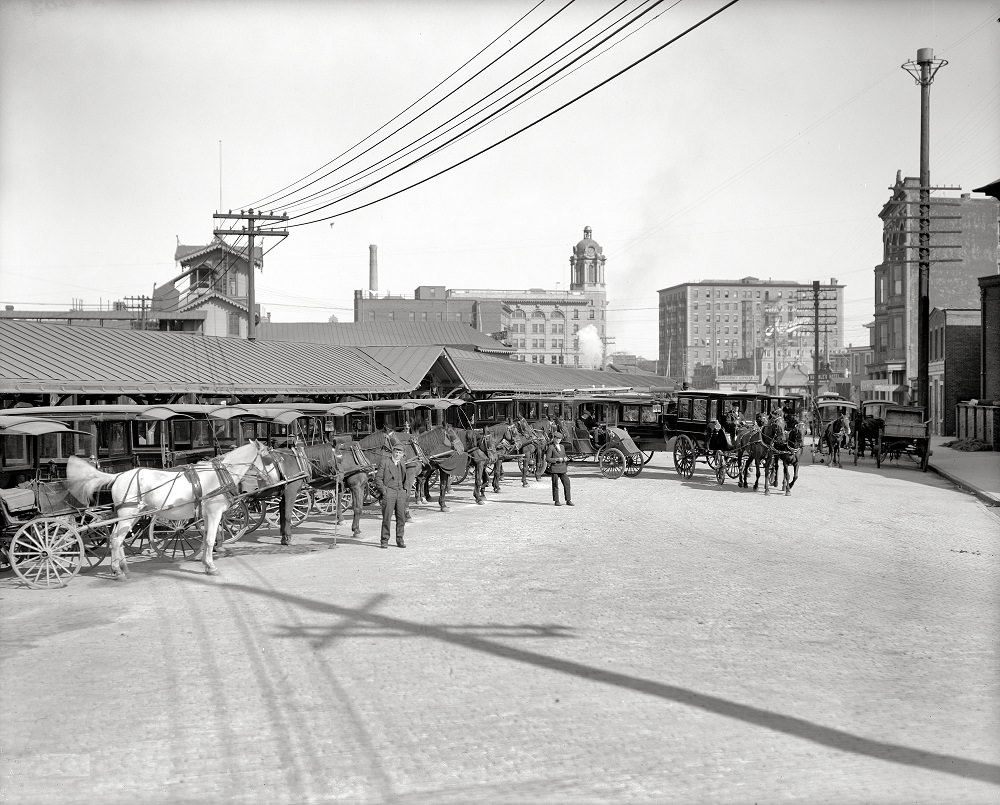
<point>201,491</point>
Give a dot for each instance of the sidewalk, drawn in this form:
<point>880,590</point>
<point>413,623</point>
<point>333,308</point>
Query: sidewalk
<point>978,473</point>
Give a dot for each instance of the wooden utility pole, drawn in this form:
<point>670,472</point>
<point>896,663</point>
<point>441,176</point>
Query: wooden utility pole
<point>250,231</point>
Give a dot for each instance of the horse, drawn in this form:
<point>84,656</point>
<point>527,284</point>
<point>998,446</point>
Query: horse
<point>353,471</point>
<point>203,490</point>
<point>787,451</point>
<point>749,440</point>
<point>315,465</point>
<point>380,444</point>
<point>483,453</point>
<point>445,448</point>
<point>866,431</point>
<point>836,435</point>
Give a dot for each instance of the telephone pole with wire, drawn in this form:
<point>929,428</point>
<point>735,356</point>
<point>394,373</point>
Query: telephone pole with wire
<point>251,231</point>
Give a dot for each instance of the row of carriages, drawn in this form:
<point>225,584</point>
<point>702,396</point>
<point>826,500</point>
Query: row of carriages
<point>47,536</point>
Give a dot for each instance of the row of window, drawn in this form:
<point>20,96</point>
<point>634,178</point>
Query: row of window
<point>539,329</point>
<point>554,359</point>
<point>541,343</point>
<point>556,314</point>
<point>410,315</point>
<point>723,293</point>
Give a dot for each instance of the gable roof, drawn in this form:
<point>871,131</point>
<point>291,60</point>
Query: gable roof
<point>95,360</point>
<point>185,254</point>
<point>383,334</point>
<point>414,363</point>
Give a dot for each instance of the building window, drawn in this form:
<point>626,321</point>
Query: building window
<point>412,316</point>
<point>233,324</point>
<point>423,315</point>
<point>591,313</point>
<point>576,314</point>
<point>392,315</point>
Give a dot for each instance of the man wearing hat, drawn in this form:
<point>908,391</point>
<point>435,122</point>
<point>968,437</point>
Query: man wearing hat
<point>390,478</point>
<point>555,456</point>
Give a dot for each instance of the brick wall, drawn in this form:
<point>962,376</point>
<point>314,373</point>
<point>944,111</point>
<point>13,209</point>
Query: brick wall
<point>961,370</point>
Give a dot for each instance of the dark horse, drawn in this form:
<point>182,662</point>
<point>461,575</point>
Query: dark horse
<point>837,435</point>
<point>787,450</point>
<point>866,431</point>
<point>353,469</point>
<point>749,441</point>
<point>445,449</point>
<point>315,465</point>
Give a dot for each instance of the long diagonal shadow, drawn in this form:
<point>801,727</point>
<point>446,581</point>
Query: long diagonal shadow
<point>789,725</point>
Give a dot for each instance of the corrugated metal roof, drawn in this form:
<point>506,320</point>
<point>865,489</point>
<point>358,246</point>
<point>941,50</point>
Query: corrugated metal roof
<point>381,334</point>
<point>93,360</point>
<point>485,374</point>
<point>413,363</point>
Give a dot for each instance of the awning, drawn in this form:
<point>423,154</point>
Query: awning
<point>890,389</point>
<point>28,426</point>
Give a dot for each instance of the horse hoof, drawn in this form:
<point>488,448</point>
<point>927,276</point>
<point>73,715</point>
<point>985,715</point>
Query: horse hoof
<point>212,571</point>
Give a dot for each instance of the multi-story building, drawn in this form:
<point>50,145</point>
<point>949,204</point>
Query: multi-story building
<point>741,327</point>
<point>952,364</point>
<point>963,247</point>
<point>565,327</point>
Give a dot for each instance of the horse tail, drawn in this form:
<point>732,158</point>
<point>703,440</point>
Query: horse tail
<point>84,479</point>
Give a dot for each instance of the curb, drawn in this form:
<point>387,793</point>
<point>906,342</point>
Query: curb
<point>985,497</point>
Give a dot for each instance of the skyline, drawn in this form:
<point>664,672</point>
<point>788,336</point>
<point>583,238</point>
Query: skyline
<point>772,161</point>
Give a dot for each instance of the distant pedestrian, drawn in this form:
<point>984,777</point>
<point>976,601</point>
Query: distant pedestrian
<point>555,455</point>
<point>390,478</point>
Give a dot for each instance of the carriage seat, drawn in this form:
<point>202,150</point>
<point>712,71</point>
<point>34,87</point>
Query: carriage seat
<point>17,499</point>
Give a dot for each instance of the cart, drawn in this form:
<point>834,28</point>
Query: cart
<point>906,432</point>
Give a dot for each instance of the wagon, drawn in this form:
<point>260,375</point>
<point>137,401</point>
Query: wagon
<point>824,413</point>
<point>906,432</point>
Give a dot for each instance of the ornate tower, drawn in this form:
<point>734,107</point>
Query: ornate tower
<point>587,264</point>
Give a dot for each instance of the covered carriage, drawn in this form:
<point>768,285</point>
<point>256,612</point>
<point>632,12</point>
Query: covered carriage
<point>906,432</point>
<point>832,418</point>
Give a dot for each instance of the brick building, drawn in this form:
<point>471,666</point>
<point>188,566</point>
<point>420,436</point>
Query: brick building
<point>963,247</point>
<point>731,328</point>
<point>562,327</point>
<point>953,364</point>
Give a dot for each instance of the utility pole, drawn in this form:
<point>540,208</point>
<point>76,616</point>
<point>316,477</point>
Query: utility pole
<point>815,384</point>
<point>923,71</point>
<point>250,231</point>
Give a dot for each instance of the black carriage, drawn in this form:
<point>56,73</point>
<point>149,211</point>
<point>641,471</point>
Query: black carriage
<point>869,421</point>
<point>688,423</point>
<point>906,432</point>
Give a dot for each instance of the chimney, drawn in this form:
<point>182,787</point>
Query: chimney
<point>373,270</point>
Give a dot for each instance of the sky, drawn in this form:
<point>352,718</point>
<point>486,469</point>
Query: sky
<point>762,143</point>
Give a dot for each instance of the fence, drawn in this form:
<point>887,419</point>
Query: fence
<point>981,422</point>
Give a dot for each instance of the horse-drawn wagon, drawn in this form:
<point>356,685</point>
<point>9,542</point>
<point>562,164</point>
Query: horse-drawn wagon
<point>831,428</point>
<point>689,424</point>
<point>906,432</point>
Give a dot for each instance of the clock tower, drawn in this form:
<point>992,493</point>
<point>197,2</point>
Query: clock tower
<point>587,264</point>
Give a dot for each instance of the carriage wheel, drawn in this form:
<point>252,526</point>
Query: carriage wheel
<point>732,466</point>
<point>878,452</point>
<point>325,501</point>
<point>925,457</point>
<point>235,523</point>
<point>95,539</point>
<point>137,541</point>
<point>646,459</point>
<point>457,479</point>
<point>634,465</point>
<point>612,463</point>
<point>46,553</point>
<point>685,454</point>
<point>720,471</point>
<point>175,538</point>
<point>301,506</point>
<point>256,512</point>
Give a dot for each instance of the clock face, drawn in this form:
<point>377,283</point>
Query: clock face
<point>591,251</point>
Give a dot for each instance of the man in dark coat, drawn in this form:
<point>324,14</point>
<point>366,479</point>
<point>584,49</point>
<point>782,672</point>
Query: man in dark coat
<point>390,478</point>
<point>555,455</point>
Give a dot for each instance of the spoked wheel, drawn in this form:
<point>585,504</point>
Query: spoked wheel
<point>634,465</point>
<point>96,538</point>
<point>720,471</point>
<point>685,454</point>
<point>732,466</point>
<point>372,494</point>
<point>46,553</point>
<point>175,539</point>
<point>457,479</point>
<point>256,512</point>
<point>878,452</point>
<point>138,539</point>
<point>646,459</point>
<point>325,501</point>
<point>301,507</point>
<point>612,461</point>
<point>235,523</point>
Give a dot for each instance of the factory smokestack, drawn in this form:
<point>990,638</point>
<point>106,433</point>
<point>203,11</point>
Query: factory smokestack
<point>373,270</point>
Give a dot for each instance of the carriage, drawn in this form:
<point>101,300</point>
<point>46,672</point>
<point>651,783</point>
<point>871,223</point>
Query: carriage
<point>689,425</point>
<point>868,423</point>
<point>827,413</point>
<point>906,432</point>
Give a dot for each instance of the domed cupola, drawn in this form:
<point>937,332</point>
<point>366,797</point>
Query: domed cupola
<point>586,263</point>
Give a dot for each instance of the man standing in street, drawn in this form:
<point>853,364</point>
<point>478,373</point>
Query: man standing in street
<point>390,478</point>
<point>558,462</point>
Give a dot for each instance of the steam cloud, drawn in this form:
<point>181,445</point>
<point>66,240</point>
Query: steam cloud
<point>591,349</point>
